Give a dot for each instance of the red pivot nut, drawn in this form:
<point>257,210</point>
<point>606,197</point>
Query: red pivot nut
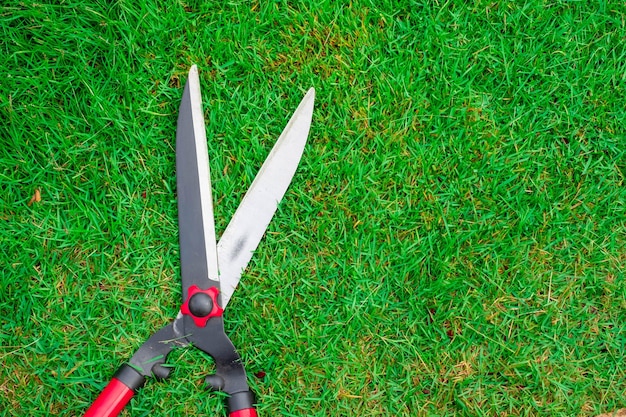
<point>201,305</point>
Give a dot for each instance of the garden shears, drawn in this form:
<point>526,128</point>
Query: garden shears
<point>210,271</point>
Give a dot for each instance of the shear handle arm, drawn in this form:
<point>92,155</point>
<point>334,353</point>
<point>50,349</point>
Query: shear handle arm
<point>117,393</point>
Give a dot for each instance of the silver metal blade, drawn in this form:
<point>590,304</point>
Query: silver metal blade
<point>198,250</point>
<point>246,228</point>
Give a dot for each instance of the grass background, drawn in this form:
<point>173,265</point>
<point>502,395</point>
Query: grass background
<point>454,242</point>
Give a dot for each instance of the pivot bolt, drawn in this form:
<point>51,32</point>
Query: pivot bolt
<point>201,305</point>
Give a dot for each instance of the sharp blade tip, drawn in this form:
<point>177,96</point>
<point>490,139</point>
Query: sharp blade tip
<point>193,78</point>
<point>307,103</point>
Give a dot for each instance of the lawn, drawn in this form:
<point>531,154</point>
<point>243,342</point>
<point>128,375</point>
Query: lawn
<point>453,243</point>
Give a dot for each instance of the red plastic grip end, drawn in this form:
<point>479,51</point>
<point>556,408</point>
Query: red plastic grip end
<point>246,412</point>
<point>111,400</point>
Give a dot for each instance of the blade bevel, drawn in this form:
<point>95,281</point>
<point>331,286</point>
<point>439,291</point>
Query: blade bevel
<point>198,249</point>
<point>248,225</point>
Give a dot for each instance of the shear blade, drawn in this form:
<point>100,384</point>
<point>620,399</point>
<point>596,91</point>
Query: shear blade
<point>198,251</point>
<point>248,225</point>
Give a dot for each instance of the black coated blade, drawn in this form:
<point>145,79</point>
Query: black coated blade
<point>198,252</point>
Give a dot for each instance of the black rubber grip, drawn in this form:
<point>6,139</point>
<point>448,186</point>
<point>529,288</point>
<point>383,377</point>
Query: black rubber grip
<point>130,377</point>
<point>240,401</point>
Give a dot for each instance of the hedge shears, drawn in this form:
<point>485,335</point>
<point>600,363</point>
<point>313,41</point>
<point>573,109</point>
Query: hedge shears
<point>210,271</point>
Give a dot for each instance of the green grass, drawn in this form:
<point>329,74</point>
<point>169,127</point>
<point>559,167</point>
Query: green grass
<point>454,242</point>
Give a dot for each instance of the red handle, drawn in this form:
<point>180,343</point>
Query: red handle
<point>111,400</point>
<point>246,412</point>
